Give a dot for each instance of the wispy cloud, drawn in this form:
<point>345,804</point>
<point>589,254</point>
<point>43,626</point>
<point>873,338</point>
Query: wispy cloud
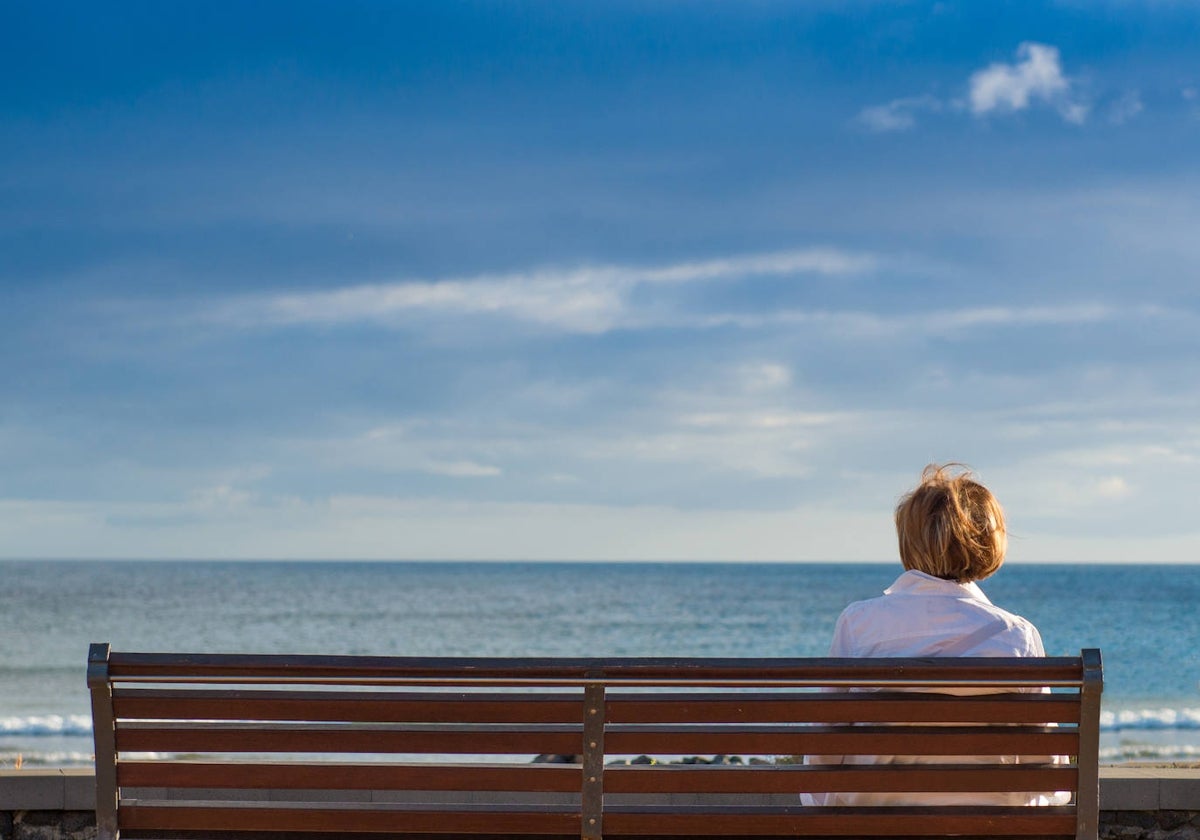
<point>944,322</point>
<point>899,114</point>
<point>1125,108</point>
<point>585,300</point>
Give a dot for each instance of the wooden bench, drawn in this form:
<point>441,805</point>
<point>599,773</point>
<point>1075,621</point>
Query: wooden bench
<point>242,746</point>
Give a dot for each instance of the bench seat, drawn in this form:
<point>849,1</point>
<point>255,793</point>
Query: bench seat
<point>245,746</point>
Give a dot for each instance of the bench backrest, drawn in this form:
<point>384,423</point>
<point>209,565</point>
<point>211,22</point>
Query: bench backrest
<point>209,745</point>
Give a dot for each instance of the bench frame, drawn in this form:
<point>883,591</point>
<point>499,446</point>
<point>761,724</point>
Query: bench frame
<point>600,682</point>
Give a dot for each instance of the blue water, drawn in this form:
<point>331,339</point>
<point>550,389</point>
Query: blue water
<point>1144,618</point>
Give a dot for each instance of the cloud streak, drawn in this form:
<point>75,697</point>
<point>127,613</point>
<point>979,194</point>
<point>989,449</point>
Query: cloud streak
<point>584,300</point>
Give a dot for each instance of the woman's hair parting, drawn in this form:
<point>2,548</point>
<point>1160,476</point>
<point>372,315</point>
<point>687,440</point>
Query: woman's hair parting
<point>951,526</point>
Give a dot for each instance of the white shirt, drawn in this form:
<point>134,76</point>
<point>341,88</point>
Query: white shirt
<point>921,615</point>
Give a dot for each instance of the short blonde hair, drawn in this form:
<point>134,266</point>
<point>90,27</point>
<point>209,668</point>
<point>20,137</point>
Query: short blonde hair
<point>951,526</point>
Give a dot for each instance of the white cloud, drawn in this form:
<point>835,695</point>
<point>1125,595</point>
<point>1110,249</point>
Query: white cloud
<point>585,300</point>
<point>897,115</point>
<point>1036,76</point>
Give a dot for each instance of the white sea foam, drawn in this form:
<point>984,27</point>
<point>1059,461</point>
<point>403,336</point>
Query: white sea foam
<point>1149,752</point>
<point>46,725</point>
<point>1160,719</point>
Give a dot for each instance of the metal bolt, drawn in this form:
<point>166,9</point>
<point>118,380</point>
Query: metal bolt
<point>592,711</point>
<point>592,744</point>
<point>591,778</point>
<point>592,821</point>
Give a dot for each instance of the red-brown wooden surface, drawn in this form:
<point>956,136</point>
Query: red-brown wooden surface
<point>350,818</point>
<point>821,707</point>
<point>838,822</point>
<point>384,707</point>
<point>326,738</point>
<point>564,778</point>
<point>331,706</point>
<point>813,779</point>
<point>179,667</point>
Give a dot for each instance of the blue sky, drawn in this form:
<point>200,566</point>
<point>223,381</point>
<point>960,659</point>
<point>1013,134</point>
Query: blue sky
<point>595,280</point>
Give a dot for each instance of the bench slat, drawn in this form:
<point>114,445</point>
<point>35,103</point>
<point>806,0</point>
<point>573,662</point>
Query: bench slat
<point>815,779</point>
<point>446,707</point>
<point>389,738</point>
<point>619,820</point>
<point>181,667</point>
<point>816,707</point>
<point>837,822</point>
<point>348,817</point>
<point>560,778</point>
<point>623,739</point>
<point>842,740</point>
<point>432,707</point>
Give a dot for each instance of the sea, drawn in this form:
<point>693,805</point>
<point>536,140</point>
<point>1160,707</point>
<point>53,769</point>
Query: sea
<point>1144,618</point>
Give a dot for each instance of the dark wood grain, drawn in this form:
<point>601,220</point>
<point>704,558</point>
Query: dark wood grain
<point>843,740</point>
<point>373,669</point>
<point>822,707</point>
<point>323,738</point>
<point>814,779</point>
<point>352,706</point>
<point>839,822</point>
<point>317,712</point>
<point>563,778</point>
<point>350,818</point>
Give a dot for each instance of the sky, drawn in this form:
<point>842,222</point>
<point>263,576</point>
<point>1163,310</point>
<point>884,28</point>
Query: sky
<point>595,281</point>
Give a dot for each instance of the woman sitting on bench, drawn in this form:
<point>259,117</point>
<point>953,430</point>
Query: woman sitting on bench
<point>951,533</point>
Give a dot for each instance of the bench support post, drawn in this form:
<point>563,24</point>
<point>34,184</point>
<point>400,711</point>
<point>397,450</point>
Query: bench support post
<point>103,731</point>
<point>592,798</point>
<point>1087,806</point>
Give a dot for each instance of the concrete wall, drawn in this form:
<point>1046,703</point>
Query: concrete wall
<point>1148,803</point>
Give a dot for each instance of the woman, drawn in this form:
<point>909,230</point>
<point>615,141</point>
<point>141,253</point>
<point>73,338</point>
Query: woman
<point>951,534</point>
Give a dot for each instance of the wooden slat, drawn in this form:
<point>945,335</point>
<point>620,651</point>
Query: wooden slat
<point>815,779</point>
<point>334,835</point>
<point>349,818</point>
<point>815,707</point>
<point>337,834</point>
<point>561,778</point>
<point>431,707</point>
<point>181,666</point>
<point>838,822</point>
<point>318,738</point>
<point>842,740</point>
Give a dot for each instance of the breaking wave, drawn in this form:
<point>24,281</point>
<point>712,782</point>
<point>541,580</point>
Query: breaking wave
<point>46,725</point>
<point>1147,719</point>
